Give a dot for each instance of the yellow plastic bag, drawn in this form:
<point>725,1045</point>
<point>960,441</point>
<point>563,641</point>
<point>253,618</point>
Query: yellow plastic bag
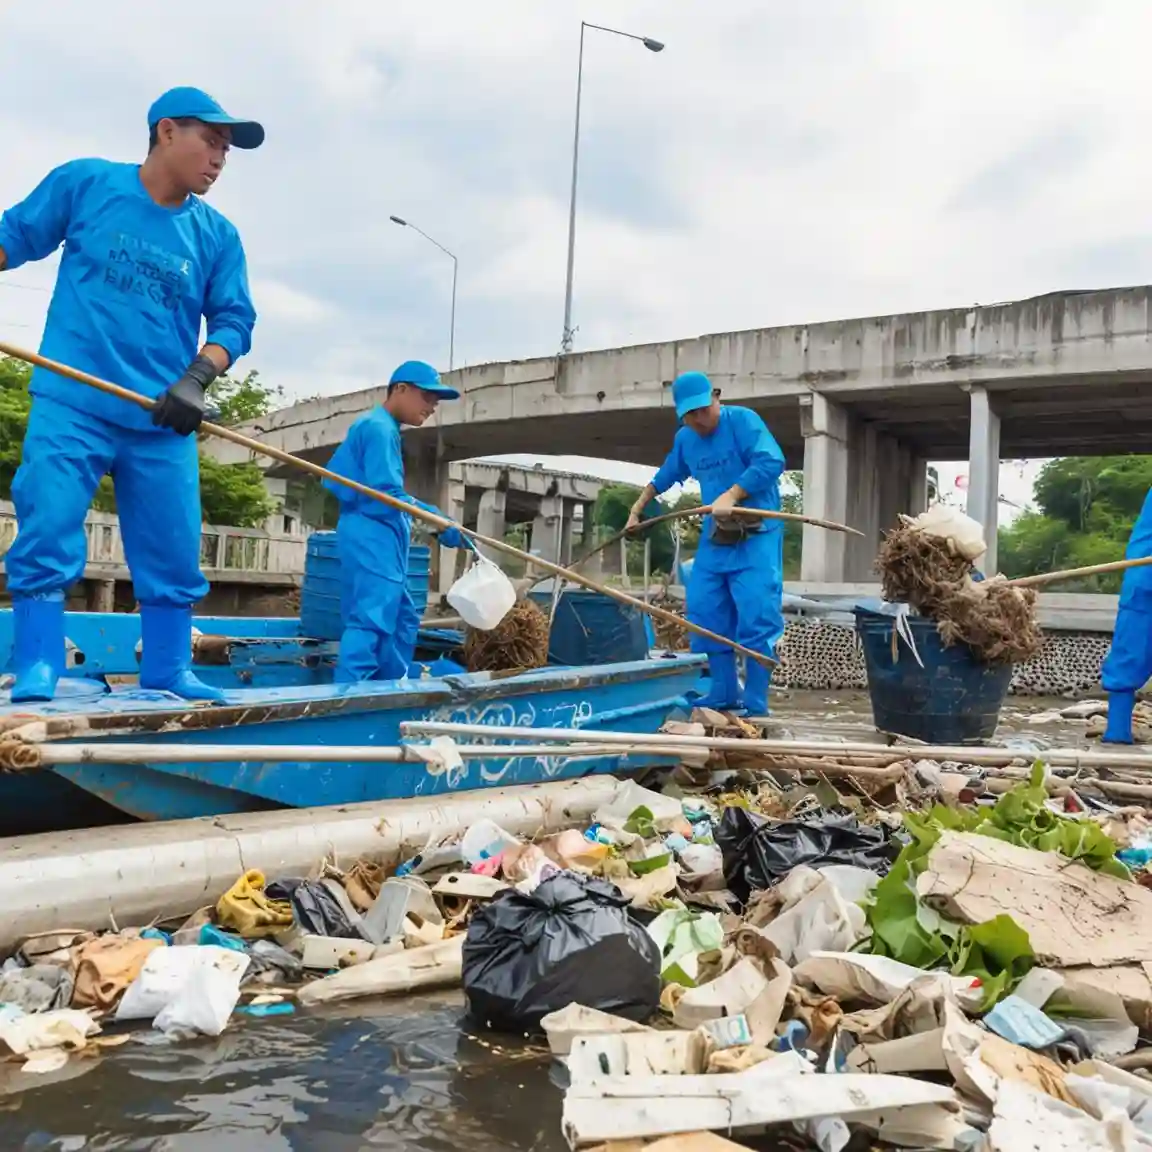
<point>245,908</point>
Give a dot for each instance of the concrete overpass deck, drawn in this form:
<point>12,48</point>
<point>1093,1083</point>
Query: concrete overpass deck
<point>860,404</point>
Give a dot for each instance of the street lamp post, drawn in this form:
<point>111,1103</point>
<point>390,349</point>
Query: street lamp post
<point>455,270</point>
<point>652,46</point>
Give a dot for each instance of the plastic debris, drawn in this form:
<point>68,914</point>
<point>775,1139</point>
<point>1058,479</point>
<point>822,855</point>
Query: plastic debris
<point>249,910</point>
<point>759,854</point>
<point>526,956</point>
<point>186,988</point>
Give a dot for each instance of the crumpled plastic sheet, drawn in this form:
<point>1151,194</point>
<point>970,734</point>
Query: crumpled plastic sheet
<point>38,988</point>
<point>316,910</point>
<point>759,854</point>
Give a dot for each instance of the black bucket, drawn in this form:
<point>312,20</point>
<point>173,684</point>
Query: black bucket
<point>953,699</point>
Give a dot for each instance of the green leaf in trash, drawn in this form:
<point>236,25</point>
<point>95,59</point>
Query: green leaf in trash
<point>650,864</point>
<point>998,953</point>
<point>641,823</point>
<point>896,928</point>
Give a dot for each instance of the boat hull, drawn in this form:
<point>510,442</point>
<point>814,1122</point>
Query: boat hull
<point>633,697</point>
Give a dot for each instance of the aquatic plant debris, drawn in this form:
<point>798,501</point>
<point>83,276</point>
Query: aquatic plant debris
<point>519,641</point>
<point>928,573</point>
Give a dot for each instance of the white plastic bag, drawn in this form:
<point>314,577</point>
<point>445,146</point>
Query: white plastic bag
<point>192,986</point>
<point>964,534</point>
<point>483,596</point>
<point>205,1001</point>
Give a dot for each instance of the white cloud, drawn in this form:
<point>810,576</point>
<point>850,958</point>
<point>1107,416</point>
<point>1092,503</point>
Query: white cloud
<point>280,302</point>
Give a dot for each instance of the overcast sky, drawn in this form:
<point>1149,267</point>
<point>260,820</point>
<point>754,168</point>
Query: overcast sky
<point>778,163</point>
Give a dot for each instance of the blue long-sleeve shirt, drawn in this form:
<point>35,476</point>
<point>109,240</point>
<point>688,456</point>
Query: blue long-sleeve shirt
<point>371,455</point>
<point>741,451</point>
<point>134,282</point>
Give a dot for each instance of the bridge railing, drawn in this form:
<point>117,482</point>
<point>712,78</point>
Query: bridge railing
<point>223,549</point>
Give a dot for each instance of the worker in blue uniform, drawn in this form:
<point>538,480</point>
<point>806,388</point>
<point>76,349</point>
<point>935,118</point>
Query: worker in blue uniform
<point>145,258</point>
<point>379,616</point>
<point>737,582</point>
<point>1128,665</point>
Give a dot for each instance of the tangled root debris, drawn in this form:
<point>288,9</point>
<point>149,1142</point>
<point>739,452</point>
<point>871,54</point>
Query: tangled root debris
<point>519,641</point>
<point>998,623</point>
<point>671,637</point>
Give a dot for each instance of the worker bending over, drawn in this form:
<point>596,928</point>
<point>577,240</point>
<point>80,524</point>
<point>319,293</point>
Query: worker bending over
<point>1128,665</point>
<point>380,618</point>
<point>144,259</point>
<point>737,581</point>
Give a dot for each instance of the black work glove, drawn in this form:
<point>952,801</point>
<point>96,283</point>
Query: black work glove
<point>182,406</point>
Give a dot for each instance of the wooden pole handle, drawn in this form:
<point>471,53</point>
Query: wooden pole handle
<point>261,449</point>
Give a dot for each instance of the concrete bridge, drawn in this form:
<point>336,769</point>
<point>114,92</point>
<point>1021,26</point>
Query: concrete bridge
<point>861,405</point>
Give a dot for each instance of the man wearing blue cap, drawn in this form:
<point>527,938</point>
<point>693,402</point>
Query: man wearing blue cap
<point>737,582</point>
<point>380,619</point>
<point>144,260</point>
<point>1128,665</point>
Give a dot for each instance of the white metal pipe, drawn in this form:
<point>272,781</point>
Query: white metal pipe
<point>53,754</point>
<point>1073,757</point>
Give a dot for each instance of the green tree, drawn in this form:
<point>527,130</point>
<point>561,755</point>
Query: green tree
<point>15,404</point>
<point>229,493</point>
<point>610,514</point>
<point>239,400</point>
<point>1085,510</point>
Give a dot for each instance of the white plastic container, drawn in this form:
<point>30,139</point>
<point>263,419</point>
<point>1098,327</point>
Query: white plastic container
<point>483,596</point>
<point>483,840</point>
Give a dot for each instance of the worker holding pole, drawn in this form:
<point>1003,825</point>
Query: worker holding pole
<point>380,618</point>
<point>145,258</point>
<point>737,583</point>
<point>1128,665</point>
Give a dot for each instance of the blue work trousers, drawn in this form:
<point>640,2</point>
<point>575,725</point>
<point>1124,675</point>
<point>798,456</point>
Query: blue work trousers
<point>157,480</point>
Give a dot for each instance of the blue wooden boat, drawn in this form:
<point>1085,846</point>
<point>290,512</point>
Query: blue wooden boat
<point>280,692</point>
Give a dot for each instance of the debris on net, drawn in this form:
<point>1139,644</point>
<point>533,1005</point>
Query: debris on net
<point>930,573</point>
<point>519,641</point>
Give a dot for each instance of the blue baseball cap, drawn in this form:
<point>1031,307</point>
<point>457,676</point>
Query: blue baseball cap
<point>424,377</point>
<point>690,391</point>
<point>193,104</point>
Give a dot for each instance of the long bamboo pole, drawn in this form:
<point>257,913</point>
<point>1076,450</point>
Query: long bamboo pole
<point>1071,757</point>
<point>1076,573</point>
<point>413,510</point>
<point>704,510</point>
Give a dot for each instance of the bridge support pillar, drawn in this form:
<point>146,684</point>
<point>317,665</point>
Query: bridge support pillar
<point>855,475</point>
<point>546,529</point>
<point>825,429</point>
<point>490,516</point>
<point>984,471</point>
<point>426,478</point>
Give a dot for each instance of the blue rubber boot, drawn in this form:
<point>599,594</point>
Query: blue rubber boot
<point>1119,729</point>
<point>723,694</point>
<point>166,658</point>
<point>757,679</point>
<point>37,646</point>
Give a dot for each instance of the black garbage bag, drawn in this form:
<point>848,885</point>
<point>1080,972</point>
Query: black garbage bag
<point>759,854</point>
<point>569,941</point>
<point>316,910</point>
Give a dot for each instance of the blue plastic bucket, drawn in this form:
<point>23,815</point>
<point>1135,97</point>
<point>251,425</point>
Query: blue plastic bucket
<point>591,628</point>
<point>320,594</point>
<point>953,699</point>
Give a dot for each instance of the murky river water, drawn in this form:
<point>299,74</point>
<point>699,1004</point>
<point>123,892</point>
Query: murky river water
<point>378,1074</point>
<point>388,1074</point>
